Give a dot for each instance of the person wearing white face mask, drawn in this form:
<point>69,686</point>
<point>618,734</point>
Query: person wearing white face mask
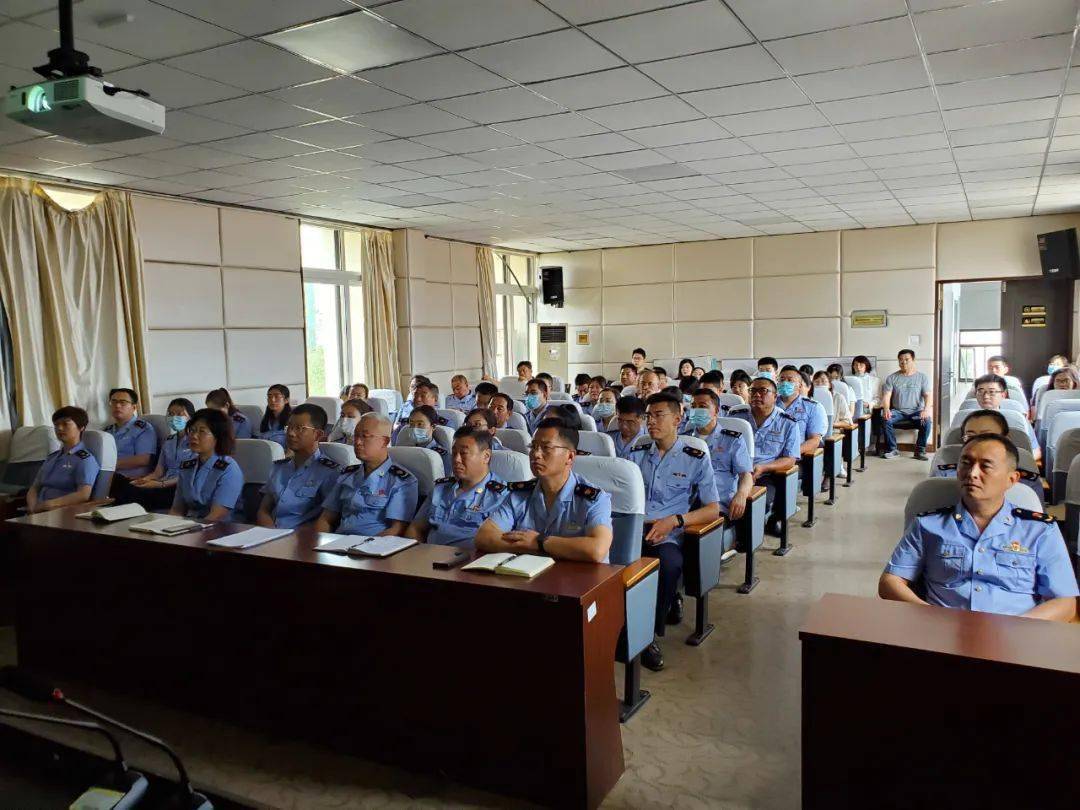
<point>351,411</point>
<point>603,409</point>
<point>156,489</point>
<point>1057,362</point>
<point>421,429</point>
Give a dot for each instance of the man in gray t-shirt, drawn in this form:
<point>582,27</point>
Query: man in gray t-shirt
<point>906,397</point>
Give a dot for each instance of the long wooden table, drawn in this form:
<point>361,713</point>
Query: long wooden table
<point>498,682</point>
<point>909,706</point>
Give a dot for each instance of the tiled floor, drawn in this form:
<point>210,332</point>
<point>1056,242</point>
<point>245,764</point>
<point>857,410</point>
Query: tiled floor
<point>721,731</point>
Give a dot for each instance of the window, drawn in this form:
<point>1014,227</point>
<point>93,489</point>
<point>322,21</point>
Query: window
<point>333,308</point>
<point>70,199</point>
<point>975,346</point>
<point>515,301</point>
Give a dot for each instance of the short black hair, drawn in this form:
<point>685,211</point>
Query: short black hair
<point>996,379</point>
<point>1010,448</point>
<point>315,413</point>
<point>539,382</point>
<point>860,358</point>
<point>986,413</point>
<point>566,412</point>
<point>220,426</point>
<point>525,363</point>
<point>75,414</point>
<point>489,417</point>
<point>566,433</point>
<point>430,386</point>
<point>806,368</point>
<point>737,375</point>
<point>130,392</point>
<point>505,398</point>
<point>543,375</point>
<point>630,405</point>
<point>789,367</point>
<point>712,395</point>
<point>640,351</point>
<point>582,379</point>
<point>839,369</point>
<point>674,390</point>
<point>630,366</point>
<point>996,358</point>
<point>183,402</point>
<point>715,376</point>
<point>220,398</point>
<point>902,352</point>
<point>664,398</point>
<point>481,437</point>
<point>688,385</point>
<point>599,379</point>
<point>807,379</point>
<point>660,370</point>
<point>427,412</point>
<point>769,380</point>
<point>485,388</point>
<point>361,405</point>
<point>768,361</point>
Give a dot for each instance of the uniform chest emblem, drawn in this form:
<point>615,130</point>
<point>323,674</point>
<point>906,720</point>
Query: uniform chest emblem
<point>678,475</point>
<point>1015,546</point>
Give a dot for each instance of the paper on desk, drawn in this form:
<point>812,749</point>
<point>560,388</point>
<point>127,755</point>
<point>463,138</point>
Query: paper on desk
<point>249,538</point>
<point>339,543</point>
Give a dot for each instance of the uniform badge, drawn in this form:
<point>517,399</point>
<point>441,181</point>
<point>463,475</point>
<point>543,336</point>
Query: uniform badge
<point>1015,546</point>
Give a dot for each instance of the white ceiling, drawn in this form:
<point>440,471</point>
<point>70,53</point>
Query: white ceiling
<point>566,124</point>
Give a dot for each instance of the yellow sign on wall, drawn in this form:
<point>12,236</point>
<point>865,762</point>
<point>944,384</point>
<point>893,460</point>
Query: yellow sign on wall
<point>869,319</point>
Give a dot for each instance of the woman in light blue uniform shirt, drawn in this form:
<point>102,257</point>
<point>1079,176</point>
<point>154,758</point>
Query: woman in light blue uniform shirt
<point>67,476</point>
<point>276,415</point>
<point>221,400</point>
<point>156,489</point>
<point>422,423</point>
<point>210,483</point>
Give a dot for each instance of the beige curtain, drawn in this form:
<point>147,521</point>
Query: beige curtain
<point>380,308</point>
<point>485,266</point>
<point>71,284</point>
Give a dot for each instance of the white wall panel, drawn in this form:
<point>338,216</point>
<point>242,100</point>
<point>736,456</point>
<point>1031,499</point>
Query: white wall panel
<point>800,337</point>
<point>908,247</point>
<point>886,342</point>
<point>259,239</point>
<point>719,338</point>
<point>901,292</point>
<point>430,303</point>
<point>594,352</point>
<point>257,396</point>
<point>174,231</point>
<point>797,254</point>
<point>433,350</point>
<point>721,258</point>
<point>405,361</point>
<point>713,300</point>
<point>402,302</point>
<point>434,258</point>
<point>466,305</point>
<point>160,404</point>
<point>656,339</point>
<point>581,268</point>
<point>267,298</point>
<point>185,360</point>
<point>995,248</point>
<point>816,296</point>
<point>182,295</point>
<point>467,353</point>
<point>582,306</point>
<point>639,303</point>
<point>463,263</point>
<point>256,356</point>
<point>638,265</point>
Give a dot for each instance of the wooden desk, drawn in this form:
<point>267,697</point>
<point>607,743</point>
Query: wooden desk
<point>909,706</point>
<point>498,682</point>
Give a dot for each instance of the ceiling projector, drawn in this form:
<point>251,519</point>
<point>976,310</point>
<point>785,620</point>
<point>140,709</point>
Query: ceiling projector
<point>85,109</point>
<point>75,102</point>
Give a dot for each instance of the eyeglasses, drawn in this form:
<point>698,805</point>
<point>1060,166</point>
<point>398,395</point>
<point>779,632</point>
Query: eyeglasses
<point>121,402</point>
<point>654,416</point>
<point>200,432</point>
<point>760,391</point>
<point>984,392</point>
<point>547,449</point>
<point>297,428</point>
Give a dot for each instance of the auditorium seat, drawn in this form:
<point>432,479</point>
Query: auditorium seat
<point>254,414</point>
<point>517,422</point>
<point>332,406</point>
<point>425,464</point>
<point>160,424</point>
<point>454,419</point>
<point>595,444</point>
<point>391,397</point>
<point>514,439</point>
<point>256,458</point>
<point>510,465</point>
<point>512,386</point>
<point>937,493</point>
<point>28,449</point>
<point>103,447</point>
<point>379,406</point>
<point>1016,436</point>
<point>587,422</point>
<point>341,453</point>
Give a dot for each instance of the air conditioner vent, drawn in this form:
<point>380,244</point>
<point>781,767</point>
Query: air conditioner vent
<point>553,334</point>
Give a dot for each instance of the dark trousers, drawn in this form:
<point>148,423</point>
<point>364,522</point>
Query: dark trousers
<point>912,418</point>
<point>671,565</point>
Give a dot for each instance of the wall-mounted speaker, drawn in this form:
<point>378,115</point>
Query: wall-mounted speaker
<point>551,286</point>
<point>1058,254</point>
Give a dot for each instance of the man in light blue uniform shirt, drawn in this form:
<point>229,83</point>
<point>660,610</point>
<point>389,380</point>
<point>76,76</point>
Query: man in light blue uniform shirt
<point>460,503</point>
<point>990,390</point>
<point>731,463</point>
<point>631,418</point>
<point>426,393</point>
<point>536,402</point>
<point>374,497</point>
<point>809,413</point>
<point>679,488</point>
<point>462,398</point>
<point>984,553</point>
<point>300,484</point>
<point>558,513</point>
<point>67,475</point>
<point>136,439</point>
<point>776,441</point>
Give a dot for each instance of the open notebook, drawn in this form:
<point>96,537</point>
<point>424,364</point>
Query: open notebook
<point>516,565</point>
<point>166,526</point>
<point>363,546</point>
<point>110,514</point>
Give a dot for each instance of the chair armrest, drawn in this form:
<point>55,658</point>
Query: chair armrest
<point>792,470</point>
<point>833,439</point>
<point>815,452</point>
<point>702,529</point>
<point>638,570</point>
<point>863,418</point>
<point>757,492</point>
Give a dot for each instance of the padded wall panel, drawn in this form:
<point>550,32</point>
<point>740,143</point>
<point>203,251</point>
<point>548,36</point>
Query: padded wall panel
<point>582,306</point>
<point>463,263</point>
<point>174,231</point>
<point>657,339</point>
<point>721,258</point>
<point>592,353</point>
<point>404,348</point>
<point>816,296</point>
<point>434,257</point>
<point>401,301</point>
<point>581,268</point>
<point>430,303</point>
<point>718,338</point>
<point>713,300</point>
<point>466,305</point>
<point>797,254</point>
<point>259,239</point>
<point>901,292</point>
<point>994,248</point>
<point>171,360</point>
<point>182,295</point>
<point>639,303</point>
<point>267,298</point>
<point>260,357</point>
<point>886,342</point>
<point>799,337</point>
<point>467,352</point>
<point>638,265</point>
<point>257,396</point>
<point>901,248</point>
<point>433,350</point>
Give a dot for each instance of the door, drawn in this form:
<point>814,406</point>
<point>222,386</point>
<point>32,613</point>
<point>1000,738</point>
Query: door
<point>948,347</point>
<point>1036,322</point>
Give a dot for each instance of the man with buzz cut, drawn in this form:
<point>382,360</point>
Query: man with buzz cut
<point>299,484</point>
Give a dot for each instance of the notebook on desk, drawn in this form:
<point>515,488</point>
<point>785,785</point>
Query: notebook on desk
<point>166,526</point>
<point>515,565</point>
<point>111,514</point>
<point>361,546</point>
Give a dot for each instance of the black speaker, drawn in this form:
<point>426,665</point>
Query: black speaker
<point>551,286</point>
<point>1058,254</point>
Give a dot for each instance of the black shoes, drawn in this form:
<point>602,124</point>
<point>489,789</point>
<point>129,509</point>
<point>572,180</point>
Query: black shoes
<point>772,527</point>
<point>920,456</point>
<point>652,658</point>
<point>675,612</point>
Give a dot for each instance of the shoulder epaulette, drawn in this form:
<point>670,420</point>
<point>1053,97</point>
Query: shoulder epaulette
<point>111,427</point>
<point>941,510</point>
<point>642,446</point>
<point>946,466</point>
<point>187,465</point>
<point>84,453</point>
<point>447,480</point>
<point>522,486</point>
<point>439,449</point>
<point>496,486</point>
<point>787,415</point>
<point>350,469</point>
<point>221,464</point>
<point>1027,514</point>
<point>239,417</point>
<point>587,492</point>
<point>1028,475</point>
<point>326,461</point>
<point>693,452</point>
<point>733,433</point>
<point>441,420</point>
<point>583,453</point>
<point>283,461</point>
<point>400,472</point>
<point>140,424</point>
<point>809,399</point>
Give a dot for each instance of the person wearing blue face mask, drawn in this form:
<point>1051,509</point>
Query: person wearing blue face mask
<point>156,489</point>
<point>731,463</point>
<point>420,432</point>
<point>811,416</point>
<point>603,410</point>
<point>767,367</point>
<point>536,402</point>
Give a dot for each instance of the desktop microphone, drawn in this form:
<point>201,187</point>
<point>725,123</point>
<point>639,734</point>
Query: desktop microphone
<point>32,686</point>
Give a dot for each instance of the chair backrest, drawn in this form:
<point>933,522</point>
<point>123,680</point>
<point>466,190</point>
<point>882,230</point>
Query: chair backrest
<point>1017,436</point>
<point>1053,395</point>
<point>823,396</point>
<point>517,422</point>
<point>332,406</point>
<point>341,453</point>
<point>730,400</point>
<point>256,458</point>
<point>587,422</point>
<point>622,480</point>
<point>160,424</point>
<point>1066,449</point>
<point>1058,406</point>
<point>379,406</point>
<point>596,444</point>
<point>425,464</point>
<point>858,387</point>
<point>1072,483</point>
<point>445,438</point>
<point>1062,422</point>
<point>741,425</point>
<point>937,493</point>
<point>514,439</point>
<point>510,465</point>
<point>28,449</point>
<point>389,396</point>
<point>946,454</point>
<point>557,383</point>
<point>560,396</point>
<point>1016,419</point>
<point>512,386</point>
<point>103,447</point>
<point>519,407</point>
<point>842,387</point>
<point>454,419</point>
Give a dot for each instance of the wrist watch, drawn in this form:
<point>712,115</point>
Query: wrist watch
<point>540,543</point>
<point>681,521</point>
